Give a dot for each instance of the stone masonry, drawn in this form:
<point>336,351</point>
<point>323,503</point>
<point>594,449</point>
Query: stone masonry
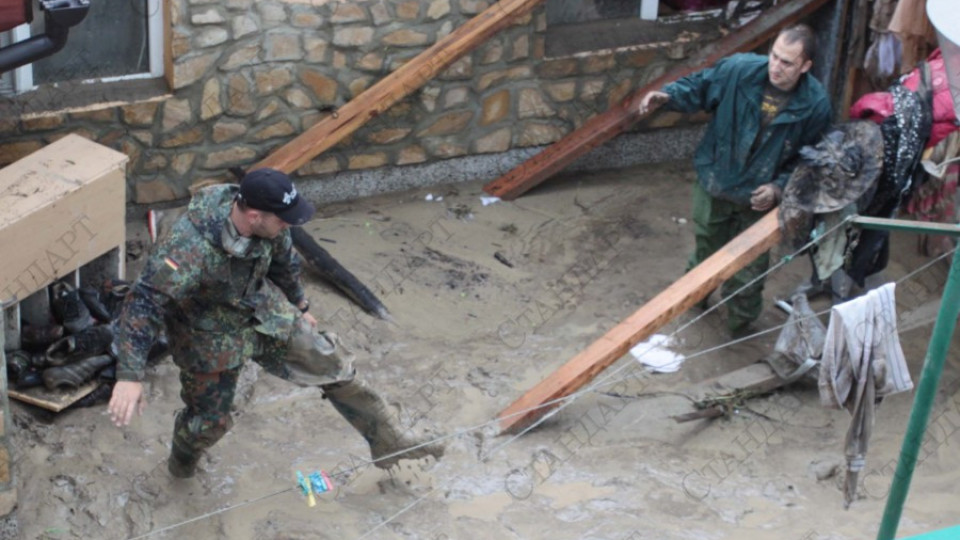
<point>249,76</point>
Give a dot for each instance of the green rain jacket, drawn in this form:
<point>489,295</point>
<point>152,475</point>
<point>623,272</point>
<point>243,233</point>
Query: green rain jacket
<point>733,91</point>
<point>214,305</point>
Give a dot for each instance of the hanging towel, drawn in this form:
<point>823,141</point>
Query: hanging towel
<point>862,361</point>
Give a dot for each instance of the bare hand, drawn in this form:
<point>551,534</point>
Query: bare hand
<point>310,319</point>
<point>127,398</point>
<point>764,197</point>
<point>652,100</point>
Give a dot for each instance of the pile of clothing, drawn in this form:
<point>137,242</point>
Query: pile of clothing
<point>893,156</point>
<point>920,136</point>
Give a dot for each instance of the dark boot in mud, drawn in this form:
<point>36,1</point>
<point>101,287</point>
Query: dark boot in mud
<point>181,463</point>
<point>369,414</point>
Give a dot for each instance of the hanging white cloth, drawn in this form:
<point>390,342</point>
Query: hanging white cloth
<point>862,361</point>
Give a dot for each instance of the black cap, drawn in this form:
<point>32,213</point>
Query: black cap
<point>271,190</point>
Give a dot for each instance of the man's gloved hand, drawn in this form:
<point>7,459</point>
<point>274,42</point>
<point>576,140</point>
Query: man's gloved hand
<point>765,197</point>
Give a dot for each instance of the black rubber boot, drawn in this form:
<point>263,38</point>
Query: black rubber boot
<point>182,464</point>
<point>75,374</point>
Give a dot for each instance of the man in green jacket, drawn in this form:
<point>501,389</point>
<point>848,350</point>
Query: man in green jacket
<point>765,108</point>
<point>225,284</point>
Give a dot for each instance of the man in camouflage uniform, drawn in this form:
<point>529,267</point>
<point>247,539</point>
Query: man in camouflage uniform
<point>225,283</point>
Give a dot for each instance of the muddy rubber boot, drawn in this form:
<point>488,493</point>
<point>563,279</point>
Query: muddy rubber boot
<point>368,413</point>
<point>182,464</point>
<point>75,374</point>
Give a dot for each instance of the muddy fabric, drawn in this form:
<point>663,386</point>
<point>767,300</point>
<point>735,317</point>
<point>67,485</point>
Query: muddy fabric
<point>841,169</point>
<point>935,198</point>
<point>862,361</point>
<point>715,223</point>
<point>730,165</point>
<point>831,250</point>
<point>905,133</point>
<point>802,335</point>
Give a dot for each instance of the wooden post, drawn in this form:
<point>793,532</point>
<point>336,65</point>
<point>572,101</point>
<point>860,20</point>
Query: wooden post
<point>603,127</point>
<point>683,294</point>
<point>395,86</point>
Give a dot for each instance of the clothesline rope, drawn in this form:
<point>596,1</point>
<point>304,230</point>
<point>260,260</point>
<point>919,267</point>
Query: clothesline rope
<point>562,401</point>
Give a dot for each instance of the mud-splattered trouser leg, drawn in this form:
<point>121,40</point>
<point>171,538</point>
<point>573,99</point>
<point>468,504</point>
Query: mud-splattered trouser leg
<point>312,358</point>
<point>206,417</point>
<point>307,358</point>
<point>715,223</point>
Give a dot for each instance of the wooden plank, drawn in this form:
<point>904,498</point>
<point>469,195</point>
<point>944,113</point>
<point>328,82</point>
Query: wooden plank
<point>60,208</point>
<point>395,86</point>
<point>609,124</point>
<point>663,308</point>
<point>53,400</point>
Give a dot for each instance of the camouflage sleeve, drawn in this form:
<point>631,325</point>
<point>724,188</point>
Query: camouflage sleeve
<point>285,268</point>
<point>168,276</point>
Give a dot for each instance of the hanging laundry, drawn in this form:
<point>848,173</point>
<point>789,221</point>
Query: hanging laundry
<point>862,362</point>
<point>879,105</point>
<point>911,24</point>
<point>833,180</point>
<point>905,129</point>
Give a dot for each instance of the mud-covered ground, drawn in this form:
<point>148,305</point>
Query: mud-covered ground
<point>486,301</point>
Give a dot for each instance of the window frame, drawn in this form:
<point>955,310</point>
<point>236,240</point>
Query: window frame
<point>20,80</point>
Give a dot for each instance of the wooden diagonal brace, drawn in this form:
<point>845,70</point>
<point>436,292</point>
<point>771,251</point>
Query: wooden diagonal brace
<point>603,127</point>
<point>663,308</point>
<point>395,86</point>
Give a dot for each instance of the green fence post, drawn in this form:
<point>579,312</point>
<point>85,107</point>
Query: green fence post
<point>923,401</point>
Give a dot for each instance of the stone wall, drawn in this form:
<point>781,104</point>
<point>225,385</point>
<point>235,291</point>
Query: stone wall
<point>249,76</point>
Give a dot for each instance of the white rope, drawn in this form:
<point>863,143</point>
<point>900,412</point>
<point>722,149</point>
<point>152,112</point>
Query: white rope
<point>563,402</point>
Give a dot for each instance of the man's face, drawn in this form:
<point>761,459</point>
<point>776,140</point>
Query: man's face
<point>268,225</point>
<point>787,64</point>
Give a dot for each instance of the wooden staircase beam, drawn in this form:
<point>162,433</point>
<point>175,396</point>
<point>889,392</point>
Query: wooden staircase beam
<point>397,85</point>
<point>607,125</point>
<point>683,294</point>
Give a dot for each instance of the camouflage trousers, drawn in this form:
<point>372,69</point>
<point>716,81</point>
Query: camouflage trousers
<point>716,222</point>
<point>308,358</point>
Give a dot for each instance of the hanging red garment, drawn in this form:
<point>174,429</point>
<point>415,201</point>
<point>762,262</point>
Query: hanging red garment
<point>878,105</point>
<point>14,13</point>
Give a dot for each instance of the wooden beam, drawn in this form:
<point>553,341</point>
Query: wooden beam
<point>395,86</point>
<point>663,308</point>
<point>605,126</point>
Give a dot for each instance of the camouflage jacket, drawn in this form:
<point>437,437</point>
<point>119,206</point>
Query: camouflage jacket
<point>737,154</point>
<point>213,303</point>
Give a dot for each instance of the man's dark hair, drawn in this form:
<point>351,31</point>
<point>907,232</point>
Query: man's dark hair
<point>804,34</point>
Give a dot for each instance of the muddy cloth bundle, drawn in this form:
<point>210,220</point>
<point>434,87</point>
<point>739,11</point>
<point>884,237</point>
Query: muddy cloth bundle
<point>840,170</point>
<point>905,134</point>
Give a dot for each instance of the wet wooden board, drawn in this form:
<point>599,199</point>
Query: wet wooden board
<point>663,308</point>
<point>605,126</point>
<point>52,400</point>
<point>397,85</point>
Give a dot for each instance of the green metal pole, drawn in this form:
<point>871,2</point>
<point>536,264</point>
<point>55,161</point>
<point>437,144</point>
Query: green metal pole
<point>923,401</point>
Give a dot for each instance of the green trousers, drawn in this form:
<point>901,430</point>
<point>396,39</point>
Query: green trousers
<point>715,223</point>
